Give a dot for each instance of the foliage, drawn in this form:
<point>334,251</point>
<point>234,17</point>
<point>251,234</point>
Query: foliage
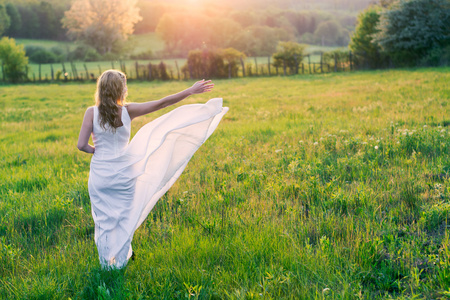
<point>288,199</point>
<point>220,63</point>
<point>101,23</point>
<point>13,59</point>
<point>409,30</point>
<point>330,33</point>
<point>366,50</point>
<point>16,20</point>
<point>289,54</point>
<point>259,40</point>
<point>337,58</point>
<point>5,20</point>
<point>36,19</point>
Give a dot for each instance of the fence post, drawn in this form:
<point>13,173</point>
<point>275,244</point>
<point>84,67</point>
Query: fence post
<point>53,74</point>
<point>268,64</point>
<point>149,71</point>
<point>137,70</point>
<point>335,62</point>
<point>178,70</point>
<point>303,68</point>
<point>309,63</point>
<point>40,73</point>
<point>87,72</point>
<point>64,71</point>
<point>314,67</point>
<point>296,64</point>
<point>350,58</point>
<point>256,67</point>
<point>321,62</point>
<point>243,67</point>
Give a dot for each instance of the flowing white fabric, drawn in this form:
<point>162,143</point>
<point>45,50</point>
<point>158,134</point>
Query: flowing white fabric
<point>127,179</point>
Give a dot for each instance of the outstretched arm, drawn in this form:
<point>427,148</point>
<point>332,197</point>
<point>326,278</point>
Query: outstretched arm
<point>85,132</point>
<point>140,109</point>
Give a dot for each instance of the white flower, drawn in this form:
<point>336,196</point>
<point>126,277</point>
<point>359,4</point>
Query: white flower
<point>316,143</point>
<point>376,147</point>
<point>278,150</point>
<point>325,290</point>
<point>425,126</point>
<point>301,142</point>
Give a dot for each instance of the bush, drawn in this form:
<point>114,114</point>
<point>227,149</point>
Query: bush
<point>13,60</point>
<point>143,55</point>
<point>289,53</point>
<point>40,55</point>
<point>84,53</point>
<point>220,63</point>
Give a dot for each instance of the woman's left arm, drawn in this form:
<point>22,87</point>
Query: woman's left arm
<point>85,132</point>
<point>140,109</point>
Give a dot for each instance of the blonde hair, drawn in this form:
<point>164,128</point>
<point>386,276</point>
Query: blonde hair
<point>110,95</point>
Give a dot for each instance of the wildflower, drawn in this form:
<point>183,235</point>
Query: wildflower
<point>376,147</point>
<point>316,143</point>
<point>278,150</point>
<point>325,290</point>
<point>425,126</point>
<point>301,142</point>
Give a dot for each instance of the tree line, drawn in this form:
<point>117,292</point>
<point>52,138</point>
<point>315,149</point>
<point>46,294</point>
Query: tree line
<point>403,33</point>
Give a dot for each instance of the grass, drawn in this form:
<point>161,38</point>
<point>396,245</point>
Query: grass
<point>313,187</point>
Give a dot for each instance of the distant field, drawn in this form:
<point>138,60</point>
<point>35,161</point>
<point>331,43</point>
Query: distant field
<point>331,186</point>
<point>142,43</point>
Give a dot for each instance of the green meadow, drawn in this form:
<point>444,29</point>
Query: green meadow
<point>331,186</point>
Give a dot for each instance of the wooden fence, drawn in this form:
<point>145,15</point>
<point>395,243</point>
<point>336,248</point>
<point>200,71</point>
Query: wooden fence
<point>69,71</point>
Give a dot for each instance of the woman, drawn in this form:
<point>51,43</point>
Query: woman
<point>126,179</point>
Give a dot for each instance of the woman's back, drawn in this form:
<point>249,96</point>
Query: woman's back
<point>109,144</point>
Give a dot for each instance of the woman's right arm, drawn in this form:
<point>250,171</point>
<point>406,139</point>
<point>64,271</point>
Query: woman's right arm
<point>140,109</point>
<point>85,132</point>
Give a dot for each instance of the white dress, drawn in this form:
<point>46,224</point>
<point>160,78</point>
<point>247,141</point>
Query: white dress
<point>126,179</point>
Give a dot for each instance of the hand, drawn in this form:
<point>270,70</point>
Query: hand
<point>201,86</point>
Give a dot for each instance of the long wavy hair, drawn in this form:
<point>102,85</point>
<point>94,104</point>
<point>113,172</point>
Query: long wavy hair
<point>109,97</point>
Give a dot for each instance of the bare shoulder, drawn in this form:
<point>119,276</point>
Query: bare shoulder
<point>90,111</point>
<point>89,114</point>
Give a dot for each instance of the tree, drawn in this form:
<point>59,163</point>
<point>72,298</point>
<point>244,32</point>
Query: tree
<point>410,30</point>
<point>289,54</point>
<point>5,21</point>
<point>328,33</point>
<point>366,50</point>
<point>13,59</point>
<point>102,23</point>
<point>16,20</point>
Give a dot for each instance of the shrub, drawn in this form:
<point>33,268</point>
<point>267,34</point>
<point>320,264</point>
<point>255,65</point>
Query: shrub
<point>289,53</point>
<point>13,60</point>
<point>143,55</point>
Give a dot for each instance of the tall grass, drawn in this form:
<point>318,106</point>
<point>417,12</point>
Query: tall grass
<point>313,187</point>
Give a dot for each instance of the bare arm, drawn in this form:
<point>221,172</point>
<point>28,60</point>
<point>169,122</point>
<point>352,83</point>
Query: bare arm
<point>85,132</point>
<point>140,109</point>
